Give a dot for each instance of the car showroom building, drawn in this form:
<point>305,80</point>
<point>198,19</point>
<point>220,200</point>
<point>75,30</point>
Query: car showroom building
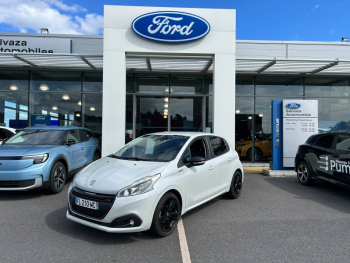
<point>126,84</point>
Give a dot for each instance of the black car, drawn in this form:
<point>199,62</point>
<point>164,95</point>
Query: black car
<point>325,157</point>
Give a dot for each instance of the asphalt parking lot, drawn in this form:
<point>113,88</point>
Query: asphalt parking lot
<point>274,220</point>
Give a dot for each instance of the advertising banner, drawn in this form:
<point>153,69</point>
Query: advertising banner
<point>300,121</point>
<point>40,120</point>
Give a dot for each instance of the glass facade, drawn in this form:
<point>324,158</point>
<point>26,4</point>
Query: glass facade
<point>168,102</point>
<point>253,108</point>
<point>70,98</point>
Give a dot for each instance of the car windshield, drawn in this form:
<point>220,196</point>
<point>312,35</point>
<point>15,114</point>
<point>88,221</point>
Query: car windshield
<point>37,137</point>
<point>155,148</point>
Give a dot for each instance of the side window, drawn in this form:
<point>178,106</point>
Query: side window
<point>73,135</point>
<point>198,148</point>
<point>325,141</point>
<point>91,134</point>
<point>9,133</point>
<point>219,146</point>
<point>3,134</point>
<point>343,142</point>
<point>84,135</point>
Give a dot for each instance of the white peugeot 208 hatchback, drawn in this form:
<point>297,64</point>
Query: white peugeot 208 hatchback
<point>153,180</point>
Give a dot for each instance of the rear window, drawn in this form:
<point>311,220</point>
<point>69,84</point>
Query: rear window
<point>219,146</point>
<point>325,141</point>
<point>312,139</point>
<point>343,142</point>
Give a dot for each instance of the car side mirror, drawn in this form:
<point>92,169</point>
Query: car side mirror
<point>70,142</point>
<point>196,161</point>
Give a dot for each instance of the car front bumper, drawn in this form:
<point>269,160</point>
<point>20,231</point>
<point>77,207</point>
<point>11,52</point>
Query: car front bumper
<point>141,206</point>
<point>21,185</point>
<point>31,177</point>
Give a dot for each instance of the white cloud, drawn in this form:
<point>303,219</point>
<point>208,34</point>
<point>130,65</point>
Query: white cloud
<point>25,15</point>
<point>74,8</point>
<point>316,6</point>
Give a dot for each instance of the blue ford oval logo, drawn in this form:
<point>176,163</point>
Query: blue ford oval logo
<point>293,105</point>
<point>170,27</point>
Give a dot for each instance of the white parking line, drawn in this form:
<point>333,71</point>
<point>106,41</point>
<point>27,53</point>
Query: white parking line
<point>183,242</point>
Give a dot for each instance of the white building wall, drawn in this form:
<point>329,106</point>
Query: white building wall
<point>120,39</point>
<point>292,49</point>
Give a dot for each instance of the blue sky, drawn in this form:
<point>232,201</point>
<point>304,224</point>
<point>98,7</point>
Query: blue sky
<point>256,20</point>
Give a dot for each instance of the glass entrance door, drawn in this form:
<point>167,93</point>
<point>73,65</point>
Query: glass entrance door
<point>186,114</point>
<point>158,114</point>
<point>150,115</point>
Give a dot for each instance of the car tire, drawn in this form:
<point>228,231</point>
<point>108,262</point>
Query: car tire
<point>236,186</point>
<point>303,174</point>
<point>258,154</point>
<point>96,156</point>
<point>166,215</point>
<point>58,176</point>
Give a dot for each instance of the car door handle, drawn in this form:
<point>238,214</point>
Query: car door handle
<point>335,155</point>
<point>230,159</point>
<point>92,145</point>
<point>82,148</point>
<point>211,167</point>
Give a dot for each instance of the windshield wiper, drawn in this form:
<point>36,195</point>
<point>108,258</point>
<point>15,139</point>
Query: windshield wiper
<point>134,158</point>
<point>131,158</point>
<point>128,158</point>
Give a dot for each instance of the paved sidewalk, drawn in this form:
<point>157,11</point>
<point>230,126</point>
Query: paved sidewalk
<point>254,170</point>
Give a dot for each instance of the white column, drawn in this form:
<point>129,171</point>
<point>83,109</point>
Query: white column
<point>114,100</point>
<point>224,76</point>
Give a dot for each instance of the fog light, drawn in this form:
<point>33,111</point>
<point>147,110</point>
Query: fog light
<point>132,223</point>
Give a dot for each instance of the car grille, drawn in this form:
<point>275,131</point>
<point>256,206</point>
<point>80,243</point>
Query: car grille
<point>89,212</point>
<point>105,203</point>
<point>92,196</point>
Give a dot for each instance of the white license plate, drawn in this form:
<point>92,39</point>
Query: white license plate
<point>86,203</point>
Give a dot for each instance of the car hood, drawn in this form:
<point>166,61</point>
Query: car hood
<point>21,150</point>
<point>109,175</point>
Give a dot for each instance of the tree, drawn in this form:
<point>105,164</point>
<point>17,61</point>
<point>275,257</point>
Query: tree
<point>341,125</point>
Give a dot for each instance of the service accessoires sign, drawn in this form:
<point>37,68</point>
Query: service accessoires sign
<point>170,26</point>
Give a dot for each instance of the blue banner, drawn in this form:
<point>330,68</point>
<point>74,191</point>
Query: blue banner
<point>40,120</point>
<point>276,139</point>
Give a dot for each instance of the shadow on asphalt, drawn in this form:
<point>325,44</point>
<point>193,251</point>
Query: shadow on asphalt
<point>58,222</point>
<point>20,195</point>
<point>327,194</point>
<point>202,207</point>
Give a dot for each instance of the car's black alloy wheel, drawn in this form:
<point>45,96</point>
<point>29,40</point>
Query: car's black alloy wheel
<point>236,186</point>
<point>257,154</point>
<point>303,174</point>
<point>166,215</point>
<point>58,177</point>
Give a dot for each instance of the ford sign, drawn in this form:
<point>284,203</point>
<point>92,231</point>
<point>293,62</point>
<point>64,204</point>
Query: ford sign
<point>170,27</point>
<point>293,105</point>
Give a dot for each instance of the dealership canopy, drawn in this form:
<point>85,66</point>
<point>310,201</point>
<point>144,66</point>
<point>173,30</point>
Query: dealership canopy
<point>174,63</point>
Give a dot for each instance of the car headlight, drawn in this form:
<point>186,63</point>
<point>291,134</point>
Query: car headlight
<point>141,186</point>
<point>39,158</point>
